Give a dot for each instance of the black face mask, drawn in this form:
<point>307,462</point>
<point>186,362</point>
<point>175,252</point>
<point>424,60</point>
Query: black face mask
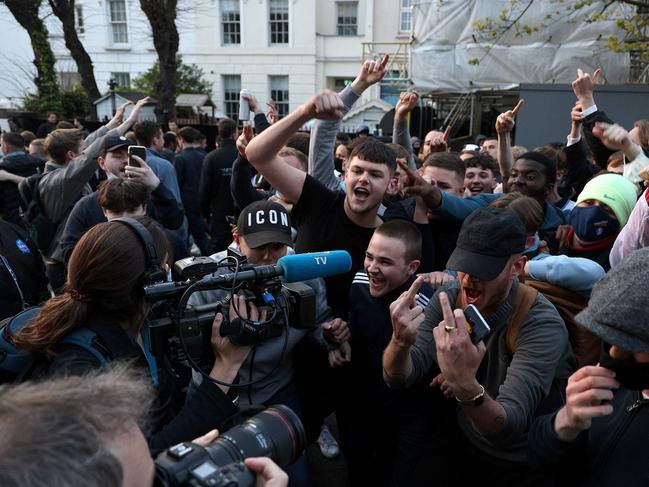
<point>338,164</point>
<point>630,374</point>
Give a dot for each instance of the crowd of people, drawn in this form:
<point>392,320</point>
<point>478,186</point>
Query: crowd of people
<point>544,245</point>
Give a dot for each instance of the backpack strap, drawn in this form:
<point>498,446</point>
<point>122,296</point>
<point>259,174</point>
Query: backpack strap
<point>13,359</point>
<point>523,301</point>
<point>86,339</point>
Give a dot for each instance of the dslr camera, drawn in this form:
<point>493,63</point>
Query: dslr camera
<point>276,433</point>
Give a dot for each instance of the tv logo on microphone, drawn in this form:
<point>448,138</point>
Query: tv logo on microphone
<point>320,260</point>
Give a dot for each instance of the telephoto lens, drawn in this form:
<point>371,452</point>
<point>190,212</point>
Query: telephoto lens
<point>276,433</point>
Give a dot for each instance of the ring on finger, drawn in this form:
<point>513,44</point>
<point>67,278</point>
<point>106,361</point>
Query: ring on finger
<point>449,329</point>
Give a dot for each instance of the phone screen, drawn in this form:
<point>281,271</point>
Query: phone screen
<point>137,150</point>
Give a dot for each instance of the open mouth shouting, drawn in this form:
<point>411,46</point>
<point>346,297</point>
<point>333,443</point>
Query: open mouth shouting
<point>377,283</point>
<point>361,194</point>
<point>471,295</point>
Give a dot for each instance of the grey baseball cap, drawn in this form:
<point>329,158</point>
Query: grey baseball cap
<point>618,310</point>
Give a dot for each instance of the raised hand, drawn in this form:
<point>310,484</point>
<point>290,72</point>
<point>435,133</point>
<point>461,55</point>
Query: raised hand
<point>584,86</point>
<point>613,136</point>
<point>586,394</point>
<point>371,72</point>
<point>413,184</point>
<point>458,358</point>
<point>244,139</point>
<point>506,120</point>
<point>325,105</point>
<point>143,173</point>
<point>406,104</point>
<point>252,102</point>
<point>272,111</point>
<point>406,315</point>
<point>575,113</point>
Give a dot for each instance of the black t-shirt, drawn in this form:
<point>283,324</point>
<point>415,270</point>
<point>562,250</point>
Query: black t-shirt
<point>322,224</point>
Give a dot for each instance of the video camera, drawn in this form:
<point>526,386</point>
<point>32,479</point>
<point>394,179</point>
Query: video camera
<point>276,433</point>
<point>184,332</point>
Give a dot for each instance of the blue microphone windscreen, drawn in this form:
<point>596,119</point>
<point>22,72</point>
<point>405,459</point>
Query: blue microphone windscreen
<point>300,267</point>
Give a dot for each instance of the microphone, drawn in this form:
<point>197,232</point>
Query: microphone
<point>290,268</point>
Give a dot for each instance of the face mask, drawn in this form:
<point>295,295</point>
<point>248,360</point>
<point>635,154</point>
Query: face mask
<point>630,374</point>
<point>338,164</point>
<point>592,223</point>
<point>531,250</point>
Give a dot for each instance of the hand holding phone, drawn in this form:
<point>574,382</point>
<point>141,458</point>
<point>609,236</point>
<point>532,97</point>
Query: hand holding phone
<point>476,324</point>
<point>137,150</point>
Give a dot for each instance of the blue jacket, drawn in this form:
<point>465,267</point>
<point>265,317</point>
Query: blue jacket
<point>459,208</point>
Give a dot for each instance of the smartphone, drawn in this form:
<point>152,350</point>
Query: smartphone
<point>137,150</point>
<point>476,325</point>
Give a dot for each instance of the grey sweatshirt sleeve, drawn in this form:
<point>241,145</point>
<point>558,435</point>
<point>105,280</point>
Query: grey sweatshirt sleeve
<point>100,132</point>
<point>322,144</point>
<point>401,136</point>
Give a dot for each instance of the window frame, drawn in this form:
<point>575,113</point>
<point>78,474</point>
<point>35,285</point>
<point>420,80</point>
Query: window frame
<point>343,29</point>
<point>79,25</point>
<point>270,23</point>
<point>405,10</point>
<point>283,106</point>
<point>115,74</point>
<point>223,23</point>
<point>112,23</point>
<point>230,98</point>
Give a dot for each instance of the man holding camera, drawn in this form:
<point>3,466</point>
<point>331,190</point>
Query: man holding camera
<point>262,237</point>
<point>500,384</point>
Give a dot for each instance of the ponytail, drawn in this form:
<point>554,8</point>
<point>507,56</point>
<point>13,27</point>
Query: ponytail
<point>58,317</point>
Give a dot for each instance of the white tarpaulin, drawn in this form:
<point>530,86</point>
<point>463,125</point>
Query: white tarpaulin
<point>445,41</point>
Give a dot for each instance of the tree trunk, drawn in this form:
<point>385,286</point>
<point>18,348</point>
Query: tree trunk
<point>162,17</point>
<point>26,14</point>
<point>64,10</point>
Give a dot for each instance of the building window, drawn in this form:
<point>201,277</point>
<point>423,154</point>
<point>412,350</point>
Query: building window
<point>118,21</point>
<point>231,89</point>
<point>279,93</point>
<point>78,19</point>
<point>231,21</point>
<point>123,80</point>
<point>278,20</point>
<point>347,18</point>
<point>341,83</point>
<point>405,16</point>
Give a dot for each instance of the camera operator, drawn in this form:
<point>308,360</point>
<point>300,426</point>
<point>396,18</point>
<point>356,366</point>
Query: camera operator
<point>500,384</point>
<point>106,273</point>
<point>263,235</point>
<point>88,430</point>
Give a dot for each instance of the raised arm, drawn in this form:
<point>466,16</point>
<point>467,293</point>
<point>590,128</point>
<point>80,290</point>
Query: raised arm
<point>262,150</point>
<point>240,183</point>
<point>504,125</point>
<point>323,133</point>
<point>401,133</point>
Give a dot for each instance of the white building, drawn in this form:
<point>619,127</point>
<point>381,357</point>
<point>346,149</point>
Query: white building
<point>280,49</point>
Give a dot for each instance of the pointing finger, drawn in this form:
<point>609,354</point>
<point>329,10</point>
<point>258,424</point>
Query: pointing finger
<point>580,73</point>
<point>384,62</point>
<point>518,106</point>
<point>447,311</point>
<point>447,133</point>
<point>414,289</point>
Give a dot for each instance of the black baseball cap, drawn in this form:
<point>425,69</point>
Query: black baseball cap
<point>265,222</point>
<point>114,142</point>
<point>488,238</point>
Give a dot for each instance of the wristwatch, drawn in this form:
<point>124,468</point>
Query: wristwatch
<point>476,400</point>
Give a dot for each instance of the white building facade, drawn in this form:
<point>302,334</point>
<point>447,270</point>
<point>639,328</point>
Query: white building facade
<point>280,49</point>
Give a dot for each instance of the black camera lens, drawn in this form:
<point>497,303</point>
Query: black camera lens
<point>276,433</point>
